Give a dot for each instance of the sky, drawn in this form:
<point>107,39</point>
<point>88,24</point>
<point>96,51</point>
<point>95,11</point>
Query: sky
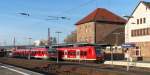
<point>35,26</point>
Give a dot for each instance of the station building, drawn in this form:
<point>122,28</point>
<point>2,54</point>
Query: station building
<point>137,30</point>
<point>101,27</point>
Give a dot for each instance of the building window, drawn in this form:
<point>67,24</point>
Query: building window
<point>132,34</point>
<point>148,31</point>
<point>140,20</point>
<point>144,33</point>
<point>86,30</point>
<point>140,32</point>
<point>144,20</point>
<point>137,32</point>
<point>137,21</point>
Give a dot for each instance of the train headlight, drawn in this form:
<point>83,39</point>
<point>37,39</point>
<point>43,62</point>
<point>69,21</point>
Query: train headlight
<point>45,57</point>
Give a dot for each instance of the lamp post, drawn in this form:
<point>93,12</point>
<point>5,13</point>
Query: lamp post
<point>116,44</point>
<point>29,56</point>
<point>49,38</point>
<point>58,32</point>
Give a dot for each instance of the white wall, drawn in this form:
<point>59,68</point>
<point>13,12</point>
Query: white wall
<point>140,12</point>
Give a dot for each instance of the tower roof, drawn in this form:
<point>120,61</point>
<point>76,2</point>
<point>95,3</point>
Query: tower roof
<point>102,15</point>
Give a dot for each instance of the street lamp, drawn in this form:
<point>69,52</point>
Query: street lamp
<point>58,32</point>
<point>116,44</point>
<point>29,56</point>
<point>49,38</point>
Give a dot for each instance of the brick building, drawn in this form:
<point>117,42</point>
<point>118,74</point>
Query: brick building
<point>101,27</point>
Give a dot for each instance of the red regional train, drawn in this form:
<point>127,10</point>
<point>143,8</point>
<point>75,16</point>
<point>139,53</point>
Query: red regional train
<point>34,52</point>
<point>82,52</point>
<point>88,53</point>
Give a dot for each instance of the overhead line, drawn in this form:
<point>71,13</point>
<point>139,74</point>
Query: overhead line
<point>74,8</point>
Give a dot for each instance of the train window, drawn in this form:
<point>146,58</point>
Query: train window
<point>38,52</point>
<point>78,52</point>
<point>60,52</point>
<point>33,53</point>
<point>71,53</point>
<point>98,51</point>
<point>41,52</point>
<point>65,53</point>
<point>45,52</point>
<point>83,53</point>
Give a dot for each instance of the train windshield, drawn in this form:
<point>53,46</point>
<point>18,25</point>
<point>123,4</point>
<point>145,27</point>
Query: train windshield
<point>52,50</point>
<point>98,50</point>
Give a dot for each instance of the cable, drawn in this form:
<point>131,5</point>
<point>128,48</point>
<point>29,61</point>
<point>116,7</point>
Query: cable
<point>72,9</point>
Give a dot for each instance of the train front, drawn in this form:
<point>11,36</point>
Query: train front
<point>99,54</point>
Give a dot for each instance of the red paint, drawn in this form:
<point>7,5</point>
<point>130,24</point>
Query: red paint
<point>85,53</point>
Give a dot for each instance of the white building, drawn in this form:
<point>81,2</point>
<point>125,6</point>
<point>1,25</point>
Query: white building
<point>40,42</point>
<point>137,29</point>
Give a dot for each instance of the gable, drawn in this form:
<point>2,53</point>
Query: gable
<point>140,9</point>
<point>102,15</point>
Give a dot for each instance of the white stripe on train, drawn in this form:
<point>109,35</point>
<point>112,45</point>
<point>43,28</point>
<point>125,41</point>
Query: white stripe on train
<point>76,59</point>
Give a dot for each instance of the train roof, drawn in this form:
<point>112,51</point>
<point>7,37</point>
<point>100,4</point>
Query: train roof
<point>78,45</point>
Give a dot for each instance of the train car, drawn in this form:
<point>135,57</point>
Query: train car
<point>41,53</point>
<point>88,53</point>
<point>52,53</point>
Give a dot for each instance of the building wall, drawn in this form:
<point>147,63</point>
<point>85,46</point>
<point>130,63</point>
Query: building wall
<point>141,12</point>
<point>105,33</point>
<point>142,41</point>
<point>86,32</point>
<point>145,50</point>
<point>114,39</point>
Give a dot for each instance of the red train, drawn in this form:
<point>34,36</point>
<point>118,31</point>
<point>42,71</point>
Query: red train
<point>88,53</point>
<point>32,52</point>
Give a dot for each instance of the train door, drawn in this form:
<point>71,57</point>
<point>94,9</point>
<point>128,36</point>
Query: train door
<point>65,54</point>
<point>78,54</point>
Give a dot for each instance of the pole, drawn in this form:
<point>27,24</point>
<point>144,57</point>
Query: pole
<point>128,64</point>
<point>116,44</point>
<point>14,42</point>
<point>49,38</point>
<point>111,55</point>
<point>58,45</point>
<point>29,56</point>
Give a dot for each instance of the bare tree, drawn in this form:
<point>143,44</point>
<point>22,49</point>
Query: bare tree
<point>71,38</point>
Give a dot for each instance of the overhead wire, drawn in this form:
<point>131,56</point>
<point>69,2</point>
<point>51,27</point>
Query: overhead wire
<point>75,8</point>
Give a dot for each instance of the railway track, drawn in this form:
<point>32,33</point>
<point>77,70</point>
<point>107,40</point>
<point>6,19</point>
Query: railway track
<point>72,68</point>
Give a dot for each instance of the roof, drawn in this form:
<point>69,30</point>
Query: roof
<point>102,15</point>
<point>146,3</point>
